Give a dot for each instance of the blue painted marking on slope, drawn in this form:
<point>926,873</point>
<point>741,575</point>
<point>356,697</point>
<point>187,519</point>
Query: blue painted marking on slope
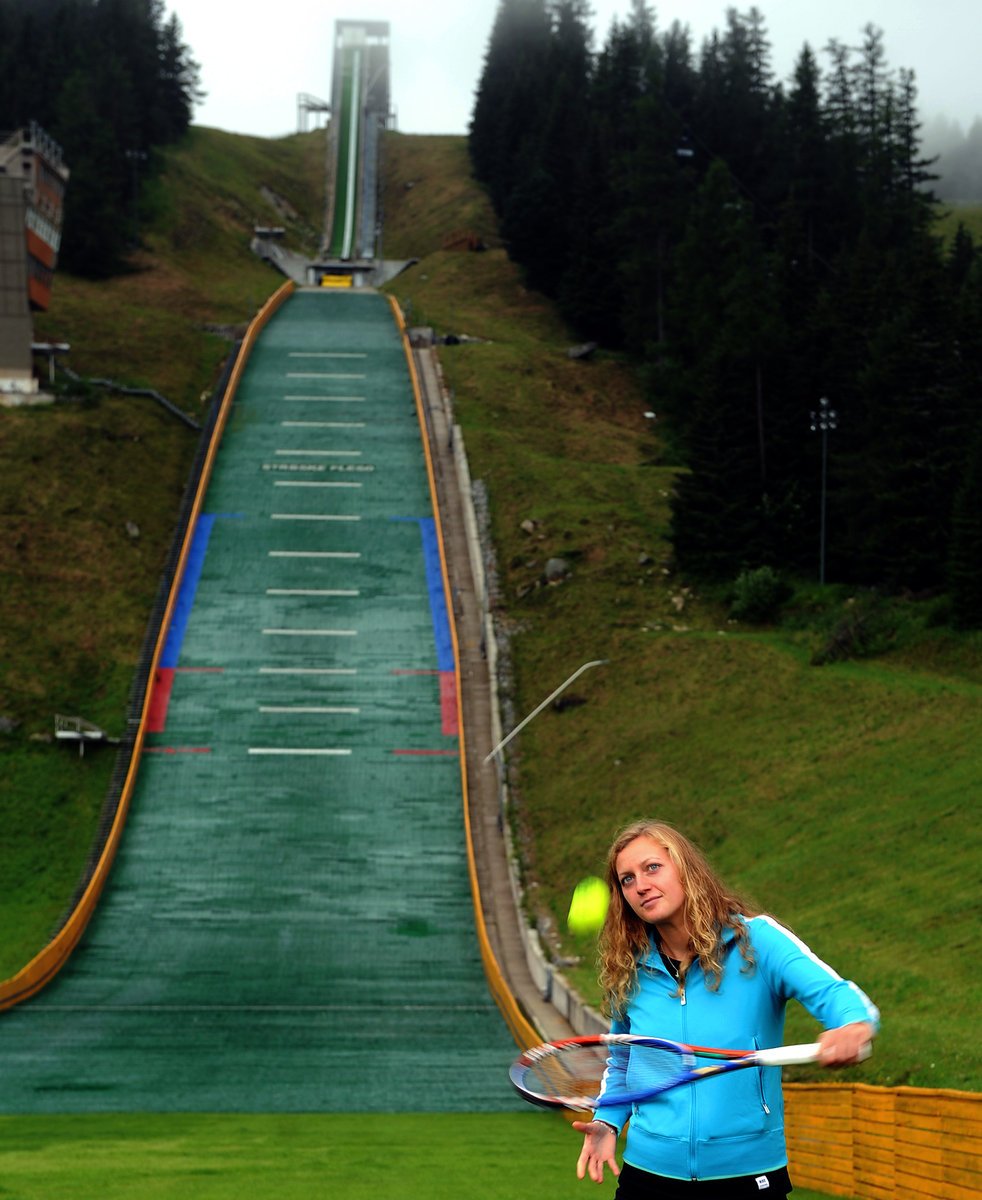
<point>189,586</point>
<point>438,602</point>
<point>434,586</point>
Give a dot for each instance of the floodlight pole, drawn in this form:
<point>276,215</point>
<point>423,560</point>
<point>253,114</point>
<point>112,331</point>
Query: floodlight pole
<point>598,662</point>
<point>823,421</point>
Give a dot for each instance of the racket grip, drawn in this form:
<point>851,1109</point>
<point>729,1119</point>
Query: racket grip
<point>788,1056</point>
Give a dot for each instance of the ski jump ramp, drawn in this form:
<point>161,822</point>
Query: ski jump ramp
<point>360,107</point>
<point>291,900</point>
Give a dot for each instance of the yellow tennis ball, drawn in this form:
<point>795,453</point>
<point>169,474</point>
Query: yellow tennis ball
<point>588,907</point>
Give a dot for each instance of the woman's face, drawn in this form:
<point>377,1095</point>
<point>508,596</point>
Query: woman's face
<point>650,881</point>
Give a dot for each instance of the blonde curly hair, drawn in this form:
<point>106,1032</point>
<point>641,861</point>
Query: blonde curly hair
<point>709,908</point>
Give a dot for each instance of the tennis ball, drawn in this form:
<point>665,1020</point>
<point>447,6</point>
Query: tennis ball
<point>588,907</point>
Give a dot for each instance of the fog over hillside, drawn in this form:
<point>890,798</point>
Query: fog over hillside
<point>959,155</point>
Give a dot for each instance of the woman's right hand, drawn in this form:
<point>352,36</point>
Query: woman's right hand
<point>599,1144</point>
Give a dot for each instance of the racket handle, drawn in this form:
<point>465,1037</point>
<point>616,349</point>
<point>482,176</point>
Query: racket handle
<point>790,1056</point>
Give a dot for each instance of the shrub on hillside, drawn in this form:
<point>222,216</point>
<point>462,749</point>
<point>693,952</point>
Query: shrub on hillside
<point>866,627</point>
<point>758,595</point>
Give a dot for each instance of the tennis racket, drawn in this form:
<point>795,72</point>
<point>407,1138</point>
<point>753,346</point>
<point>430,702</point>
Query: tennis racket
<point>625,1068</point>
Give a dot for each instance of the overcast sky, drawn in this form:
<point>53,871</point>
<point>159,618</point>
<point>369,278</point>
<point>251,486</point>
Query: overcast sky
<point>255,58</point>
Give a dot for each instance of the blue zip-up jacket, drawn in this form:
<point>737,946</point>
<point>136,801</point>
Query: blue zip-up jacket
<point>732,1124</point>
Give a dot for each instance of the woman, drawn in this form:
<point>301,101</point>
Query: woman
<point>684,958</point>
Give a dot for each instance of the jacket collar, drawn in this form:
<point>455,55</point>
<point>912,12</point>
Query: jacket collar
<point>651,958</point>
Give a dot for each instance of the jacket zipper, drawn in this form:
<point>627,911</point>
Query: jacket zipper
<point>693,1098</point>
<point>760,1083</point>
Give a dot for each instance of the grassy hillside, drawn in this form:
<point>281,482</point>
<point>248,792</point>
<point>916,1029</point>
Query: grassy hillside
<point>841,796</point>
<point>89,489</point>
<point>950,216</point>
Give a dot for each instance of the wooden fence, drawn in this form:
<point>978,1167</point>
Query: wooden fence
<point>877,1143</point>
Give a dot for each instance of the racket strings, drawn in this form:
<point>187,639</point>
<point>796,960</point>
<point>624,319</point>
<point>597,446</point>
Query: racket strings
<point>586,1072</point>
<point>652,1067</point>
<point>575,1072</point>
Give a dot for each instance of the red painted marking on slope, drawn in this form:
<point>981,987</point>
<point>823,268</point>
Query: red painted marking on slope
<point>450,726</point>
<point>163,682</point>
<point>163,685</point>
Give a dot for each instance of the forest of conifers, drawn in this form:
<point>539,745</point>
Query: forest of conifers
<point>756,247</point>
<point>109,80</point>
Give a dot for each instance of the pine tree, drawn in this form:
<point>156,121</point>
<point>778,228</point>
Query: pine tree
<point>961,256</point>
<point>180,81</point>
<point>107,79</point>
<point>724,508</point>
<point>737,108</point>
<point>915,201</point>
<point>754,251</point>
<point>590,290</point>
<point>538,216</point>
<point>808,161</point>
<point>844,211</point>
<point>95,223</point>
<point>512,96</point>
<point>907,429</point>
<point>679,74</point>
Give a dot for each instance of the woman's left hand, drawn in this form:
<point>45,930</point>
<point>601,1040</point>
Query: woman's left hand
<point>846,1045</point>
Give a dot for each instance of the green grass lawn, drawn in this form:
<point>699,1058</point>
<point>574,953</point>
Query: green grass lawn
<point>294,1157</point>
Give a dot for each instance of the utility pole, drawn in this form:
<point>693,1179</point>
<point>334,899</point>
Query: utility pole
<point>824,422</point>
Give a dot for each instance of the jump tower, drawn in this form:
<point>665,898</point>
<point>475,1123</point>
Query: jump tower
<point>360,109</point>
